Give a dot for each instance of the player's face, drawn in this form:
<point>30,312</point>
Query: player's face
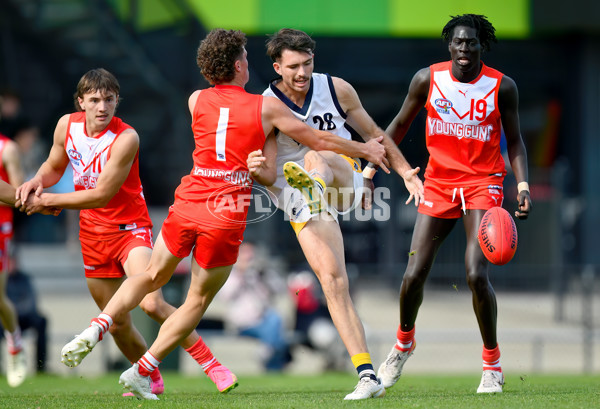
<point>295,68</point>
<point>465,52</point>
<point>99,107</point>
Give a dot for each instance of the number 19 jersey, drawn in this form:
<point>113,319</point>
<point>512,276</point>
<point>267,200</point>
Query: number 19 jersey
<point>463,128</point>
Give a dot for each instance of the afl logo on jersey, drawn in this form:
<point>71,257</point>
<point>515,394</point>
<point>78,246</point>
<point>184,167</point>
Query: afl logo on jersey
<point>75,156</point>
<point>443,105</point>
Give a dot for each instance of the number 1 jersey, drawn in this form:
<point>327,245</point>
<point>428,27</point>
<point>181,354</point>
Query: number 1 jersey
<point>227,126</point>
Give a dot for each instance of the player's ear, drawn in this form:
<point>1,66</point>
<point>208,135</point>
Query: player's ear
<point>277,67</point>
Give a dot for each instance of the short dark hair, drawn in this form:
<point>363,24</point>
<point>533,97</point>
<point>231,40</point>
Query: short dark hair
<point>289,39</point>
<point>94,80</point>
<point>485,29</point>
<point>218,53</point>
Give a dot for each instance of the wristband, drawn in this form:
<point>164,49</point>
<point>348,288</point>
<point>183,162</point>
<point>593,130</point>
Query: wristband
<point>522,186</point>
<point>369,172</point>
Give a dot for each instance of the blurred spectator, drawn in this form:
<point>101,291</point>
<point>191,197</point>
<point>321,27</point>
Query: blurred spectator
<point>249,294</point>
<point>10,111</point>
<point>41,228</point>
<point>27,136</point>
<point>21,292</point>
<point>314,327</point>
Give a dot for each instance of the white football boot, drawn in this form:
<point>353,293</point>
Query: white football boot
<point>74,352</point>
<point>390,370</point>
<point>366,388</point>
<point>16,369</point>
<point>491,382</point>
<point>137,384</point>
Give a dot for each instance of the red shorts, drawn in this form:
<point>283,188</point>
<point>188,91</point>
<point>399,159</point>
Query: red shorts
<point>5,251</point>
<point>452,202</point>
<point>105,259</point>
<point>212,247</point>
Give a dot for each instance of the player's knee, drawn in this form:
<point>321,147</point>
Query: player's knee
<point>477,281</point>
<point>152,307</point>
<point>120,327</point>
<point>333,285</point>
<point>414,280</point>
<point>311,157</point>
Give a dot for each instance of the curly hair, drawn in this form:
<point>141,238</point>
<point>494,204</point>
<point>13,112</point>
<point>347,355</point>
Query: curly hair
<point>217,54</point>
<point>289,39</point>
<point>94,80</point>
<point>485,29</point>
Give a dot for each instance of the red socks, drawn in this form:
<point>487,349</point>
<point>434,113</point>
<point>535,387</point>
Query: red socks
<point>405,340</point>
<point>147,364</point>
<point>491,359</point>
<point>200,352</point>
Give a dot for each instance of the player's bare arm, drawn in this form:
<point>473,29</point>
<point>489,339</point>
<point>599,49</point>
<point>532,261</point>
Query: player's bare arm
<point>109,182</point>
<point>52,169</point>
<point>276,114</point>
<point>508,103</point>
<point>192,101</point>
<point>7,193</point>
<point>262,163</point>
<point>361,122</point>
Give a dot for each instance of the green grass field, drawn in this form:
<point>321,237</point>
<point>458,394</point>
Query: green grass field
<point>318,391</point>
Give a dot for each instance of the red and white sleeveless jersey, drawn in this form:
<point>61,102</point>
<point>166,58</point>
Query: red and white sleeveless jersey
<point>6,212</point>
<point>463,127</point>
<point>127,209</point>
<point>227,126</point>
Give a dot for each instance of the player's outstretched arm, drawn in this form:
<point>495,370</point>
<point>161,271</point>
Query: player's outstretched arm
<point>7,193</point>
<point>276,114</point>
<point>413,103</point>
<point>508,103</point>
<point>262,163</point>
<point>358,118</point>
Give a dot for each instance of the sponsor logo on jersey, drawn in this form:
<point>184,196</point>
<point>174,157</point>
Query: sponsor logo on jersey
<point>74,156</point>
<point>85,181</point>
<point>238,178</point>
<point>478,132</point>
<point>443,105</point>
<point>89,267</point>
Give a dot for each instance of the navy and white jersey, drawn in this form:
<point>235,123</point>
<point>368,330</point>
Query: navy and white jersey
<point>321,110</point>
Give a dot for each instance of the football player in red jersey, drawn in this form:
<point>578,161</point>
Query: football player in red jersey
<point>115,227</point>
<point>468,104</point>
